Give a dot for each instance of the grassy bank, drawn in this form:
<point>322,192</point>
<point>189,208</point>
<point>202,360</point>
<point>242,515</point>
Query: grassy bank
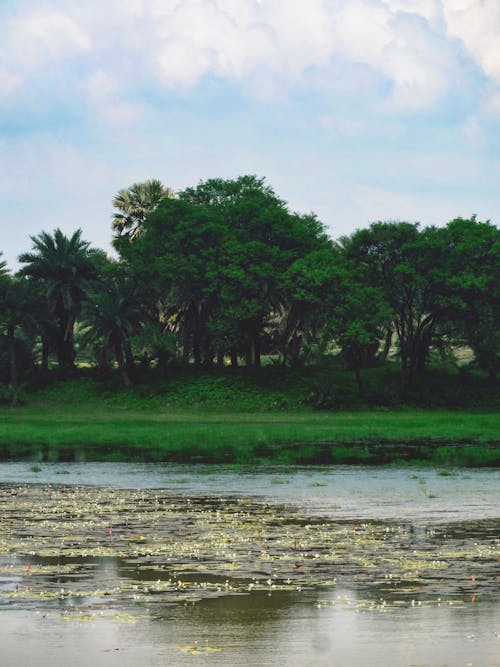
<point>268,415</point>
<point>110,433</point>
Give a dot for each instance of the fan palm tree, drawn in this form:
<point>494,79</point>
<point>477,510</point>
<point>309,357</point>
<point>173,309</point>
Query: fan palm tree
<point>65,268</point>
<point>135,204</point>
<point>111,317</point>
<point>3,267</point>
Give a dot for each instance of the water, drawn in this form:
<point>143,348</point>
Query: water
<point>398,566</point>
<point>340,492</point>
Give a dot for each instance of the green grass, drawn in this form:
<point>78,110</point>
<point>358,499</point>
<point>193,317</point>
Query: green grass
<point>194,435</point>
<point>266,415</point>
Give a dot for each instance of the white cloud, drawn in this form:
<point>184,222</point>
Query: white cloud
<point>392,55</point>
<point>477,24</point>
<point>411,44</point>
<point>105,102</point>
<point>45,36</point>
<point>429,9</point>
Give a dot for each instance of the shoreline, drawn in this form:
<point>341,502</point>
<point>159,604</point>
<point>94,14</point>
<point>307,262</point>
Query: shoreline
<point>439,452</point>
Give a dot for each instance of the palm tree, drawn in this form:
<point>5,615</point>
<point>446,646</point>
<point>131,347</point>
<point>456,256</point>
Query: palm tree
<point>135,204</point>
<point>3,267</point>
<point>112,316</point>
<point>18,310</point>
<point>65,268</point>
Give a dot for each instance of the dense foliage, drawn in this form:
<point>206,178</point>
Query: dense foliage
<point>224,273</point>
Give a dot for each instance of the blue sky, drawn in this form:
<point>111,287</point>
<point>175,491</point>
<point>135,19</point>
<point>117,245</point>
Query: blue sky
<point>358,110</point>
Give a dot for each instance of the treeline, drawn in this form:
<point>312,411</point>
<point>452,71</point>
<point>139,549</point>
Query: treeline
<point>224,272</point>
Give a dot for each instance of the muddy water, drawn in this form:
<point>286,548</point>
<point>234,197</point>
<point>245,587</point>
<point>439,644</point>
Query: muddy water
<point>123,564</point>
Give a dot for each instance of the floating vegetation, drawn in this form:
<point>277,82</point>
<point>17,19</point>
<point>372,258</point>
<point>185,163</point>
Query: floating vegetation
<point>89,551</point>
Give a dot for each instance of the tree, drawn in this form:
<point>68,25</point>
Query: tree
<point>172,261</point>
<point>407,265</point>
<point>64,267</point>
<point>261,239</point>
<point>472,282</point>
<point>214,258</point>
<point>111,315</point>
<point>135,204</point>
<point>307,299</point>
<point>3,268</point>
<point>19,308</point>
<point>331,300</point>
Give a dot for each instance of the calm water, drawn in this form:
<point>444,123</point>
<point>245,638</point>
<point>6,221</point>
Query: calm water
<point>358,621</point>
<point>340,492</point>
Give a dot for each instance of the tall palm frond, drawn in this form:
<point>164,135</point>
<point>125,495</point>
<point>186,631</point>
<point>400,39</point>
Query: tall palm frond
<point>64,267</point>
<point>136,203</point>
<point>4,271</point>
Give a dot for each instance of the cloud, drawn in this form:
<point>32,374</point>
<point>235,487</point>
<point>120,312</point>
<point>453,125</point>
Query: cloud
<point>399,46</point>
<point>430,10</point>
<point>39,38</point>
<point>104,101</point>
<point>409,44</point>
<point>477,26</point>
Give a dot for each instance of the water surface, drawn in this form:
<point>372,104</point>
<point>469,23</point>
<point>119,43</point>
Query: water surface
<point>155,564</point>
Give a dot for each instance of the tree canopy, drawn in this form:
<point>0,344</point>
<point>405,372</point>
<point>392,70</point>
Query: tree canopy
<point>224,272</point>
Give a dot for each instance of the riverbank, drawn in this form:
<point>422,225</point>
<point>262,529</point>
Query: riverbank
<point>87,431</point>
<point>271,415</point>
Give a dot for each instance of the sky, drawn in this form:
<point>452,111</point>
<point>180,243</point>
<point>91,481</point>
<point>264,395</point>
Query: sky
<point>357,110</point>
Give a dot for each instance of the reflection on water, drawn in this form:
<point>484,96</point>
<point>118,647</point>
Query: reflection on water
<point>335,566</point>
<point>348,492</point>
<point>260,630</point>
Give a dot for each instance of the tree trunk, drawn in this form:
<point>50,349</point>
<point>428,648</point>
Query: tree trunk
<point>163,364</point>
<point>220,358</point>
<point>256,351</point>
<point>122,365</point>
<point>186,345</point>
<point>11,346</point>
<point>102,360</point>
<point>66,358</point>
<point>359,381</point>
<point>405,379</point>
<point>387,343</point>
<point>45,355</point>
<point>234,359</point>
<point>253,352</point>
<point>208,357</point>
<point>64,343</point>
<point>196,351</point>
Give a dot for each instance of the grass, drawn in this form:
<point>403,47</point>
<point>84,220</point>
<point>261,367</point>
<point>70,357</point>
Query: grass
<point>290,437</point>
<point>268,415</point>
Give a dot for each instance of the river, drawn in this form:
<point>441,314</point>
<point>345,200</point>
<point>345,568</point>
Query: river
<point>155,564</point>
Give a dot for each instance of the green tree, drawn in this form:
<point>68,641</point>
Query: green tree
<point>19,308</point>
<point>332,301</point>
<point>407,265</point>
<point>172,261</point>
<point>111,315</point>
<point>64,268</point>
<point>214,259</point>
<point>307,299</point>
<point>472,282</point>
<point>261,239</point>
